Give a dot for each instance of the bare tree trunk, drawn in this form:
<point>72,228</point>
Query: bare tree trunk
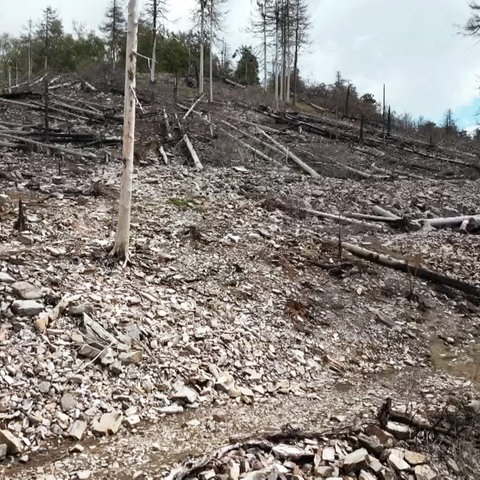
<point>202,28</point>
<point>275,70</point>
<point>210,99</point>
<point>264,14</point>
<point>122,237</point>
<point>154,43</point>
<point>30,49</point>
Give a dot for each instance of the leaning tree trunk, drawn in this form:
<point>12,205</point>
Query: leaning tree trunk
<point>122,237</point>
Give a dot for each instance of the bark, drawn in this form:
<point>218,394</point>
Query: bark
<point>122,237</point>
<point>210,98</point>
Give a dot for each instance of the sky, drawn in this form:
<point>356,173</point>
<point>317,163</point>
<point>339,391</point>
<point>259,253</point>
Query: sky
<point>414,47</point>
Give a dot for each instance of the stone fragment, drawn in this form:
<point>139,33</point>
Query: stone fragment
<point>84,474</point>
<point>185,394</point>
<point>27,308</point>
<point>291,452</point>
<point>128,358</point>
<point>225,381</point>
<point>207,474</point>
<point>453,466</point>
<point>26,291</point>
<point>14,445</point>
<point>374,464</point>
<point>6,278</point>
<point>328,454</point>
<point>415,458</point>
<point>323,471</point>
<point>355,461</point>
<point>44,386</point>
<point>88,351</point>
<point>68,402</point>
<point>116,367</point>
<point>132,420</point>
<point>174,408</point>
<point>364,475</point>
<point>77,448</point>
<point>268,473</point>
<point>474,406</point>
<point>386,439</point>
<point>107,357</point>
<point>24,459</point>
<point>3,451</point>
<point>425,472</point>
<point>399,430</point>
<point>107,423</point>
<point>77,429</point>
<point>371,443</point>
<point>398,463</point>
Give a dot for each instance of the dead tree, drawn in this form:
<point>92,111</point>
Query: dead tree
<point>122,237</point>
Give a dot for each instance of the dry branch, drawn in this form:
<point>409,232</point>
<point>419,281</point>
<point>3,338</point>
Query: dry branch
<point>193,153</point>
<point>450,221</point>
<point>193,106</point>
<point>299,162</point>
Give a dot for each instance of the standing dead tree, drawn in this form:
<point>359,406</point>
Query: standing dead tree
<point>122,237</point>
<point>155,10</point>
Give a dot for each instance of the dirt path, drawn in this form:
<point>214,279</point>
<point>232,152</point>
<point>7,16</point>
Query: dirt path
<point>152,449</point>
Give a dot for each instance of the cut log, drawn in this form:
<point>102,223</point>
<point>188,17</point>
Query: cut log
<point>235,84</point>
<point>193,106</point>
<point>290,155</point>
<point>418,271</point>
<point>373,218</point>
<point>448,221</point>
<point>193,153</point>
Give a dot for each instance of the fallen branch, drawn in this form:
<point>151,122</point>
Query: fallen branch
<point>164,155</point>
<point>299,162</point>
<point>193,153</point>
<point>249,147</point>
<point>341,219</point>
<point>193,106</point>
<point>235,84</point>
<point>382,212</point>
<point>404,266</point>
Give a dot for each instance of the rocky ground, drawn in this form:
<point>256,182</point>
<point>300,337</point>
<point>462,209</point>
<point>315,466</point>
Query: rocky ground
<point>233,317</point>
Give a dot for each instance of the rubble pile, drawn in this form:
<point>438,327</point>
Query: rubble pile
<point>225,302</point>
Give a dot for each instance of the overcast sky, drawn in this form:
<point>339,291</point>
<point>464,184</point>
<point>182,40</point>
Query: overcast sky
<point>413,46</point>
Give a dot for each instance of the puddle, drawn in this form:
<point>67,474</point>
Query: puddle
<point>461,363</point>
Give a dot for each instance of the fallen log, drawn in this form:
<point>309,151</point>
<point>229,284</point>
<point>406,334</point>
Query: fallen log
<point>382,212</point>
<point>193,153</point>
<point>416,270</point>
<point>54,148</point>
<point>235,84</point>
<point>293,157</point>
<point>450,221</point>
<point>341,218</point>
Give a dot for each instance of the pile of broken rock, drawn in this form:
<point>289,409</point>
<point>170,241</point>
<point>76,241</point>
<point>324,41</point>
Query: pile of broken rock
<point>370,453</point>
